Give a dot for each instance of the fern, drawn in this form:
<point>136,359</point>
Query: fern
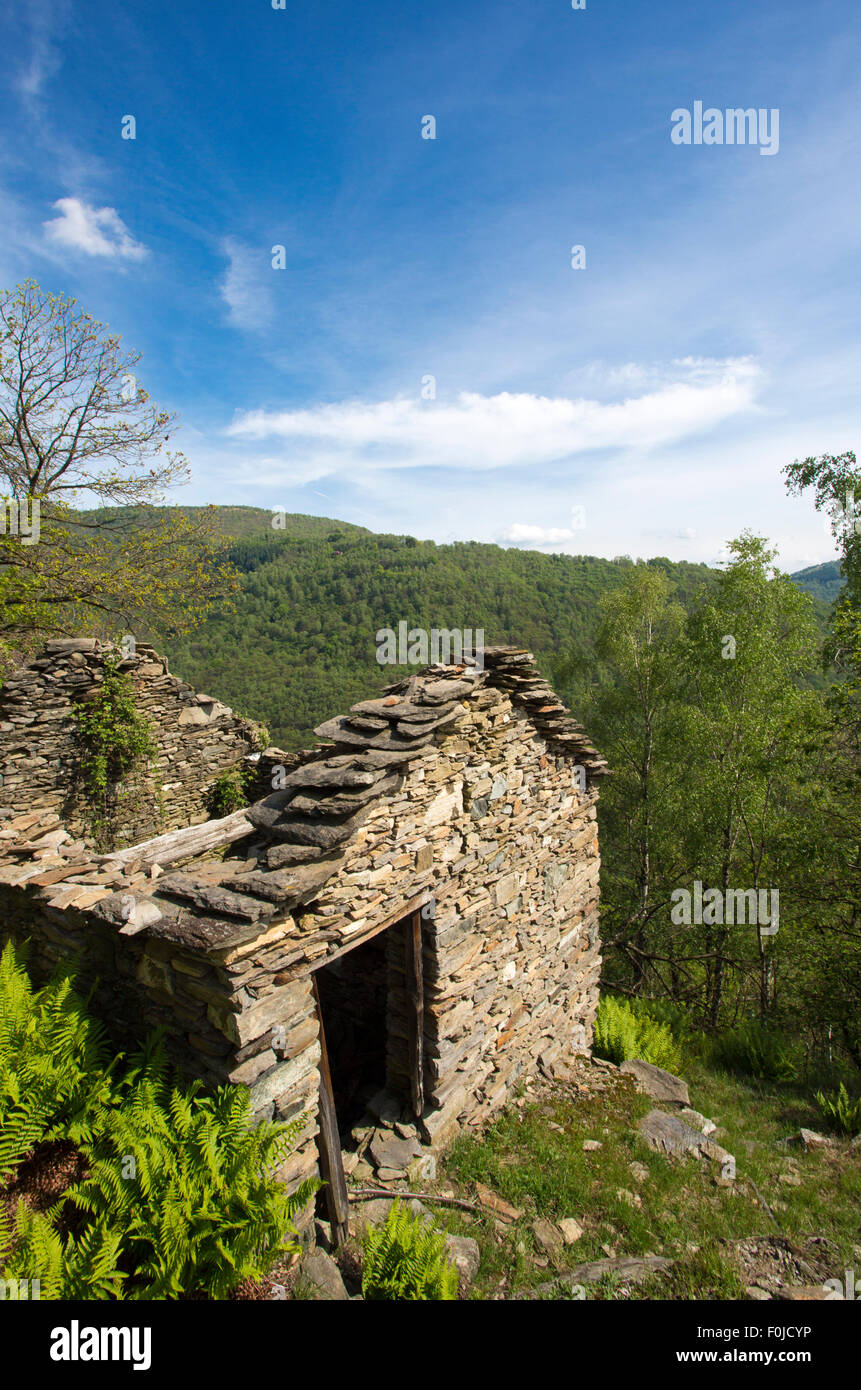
<point>53,1071</point>
<point>83,1268</point>
<point>188,1179</point>
<point>181,1187</point>
<point>406,1259</point>
<point>622,1033</point>
<point>842,1113</point>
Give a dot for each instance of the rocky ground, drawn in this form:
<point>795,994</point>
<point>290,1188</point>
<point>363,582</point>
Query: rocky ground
<point>608,1182</point>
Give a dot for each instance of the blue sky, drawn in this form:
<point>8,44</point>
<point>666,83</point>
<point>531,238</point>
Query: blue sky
<point>642,404</point>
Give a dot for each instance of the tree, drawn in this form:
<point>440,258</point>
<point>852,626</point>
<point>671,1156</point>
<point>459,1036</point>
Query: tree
<point>76,427</point>
<point>830,886</point>
<point>746,730</point>
<point>637,635</point>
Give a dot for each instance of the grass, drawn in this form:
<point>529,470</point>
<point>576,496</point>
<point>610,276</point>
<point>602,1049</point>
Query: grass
<point>532,1156</point>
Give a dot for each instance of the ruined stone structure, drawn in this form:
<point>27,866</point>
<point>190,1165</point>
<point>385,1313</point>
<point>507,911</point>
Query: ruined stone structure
<point>197,736</point>
<point>426,883</point>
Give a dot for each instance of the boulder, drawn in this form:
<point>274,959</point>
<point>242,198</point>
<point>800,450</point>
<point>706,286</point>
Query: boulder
<point>668,1134</point>
<point>657,1083</point>
<point>319,1270</point>
<point>388,1151</point>
<point>547,1235</point>
<point>571,1230</point>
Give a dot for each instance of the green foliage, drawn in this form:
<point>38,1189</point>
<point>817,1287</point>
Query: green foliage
<point>53,1072</point>
<point>752,1049</point>
<point>180,1194</point>
<point>75,420</point>
<point>690,1038</point>
<point>842,1113</point>
<point>115,746</point>
<point>623,1033</point>
<point>81,1267</point>
<point>189,1181</point>
<point>301,644</point>
<point>406,1259</point>
<point>229,791</point>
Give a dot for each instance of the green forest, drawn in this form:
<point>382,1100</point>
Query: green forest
<point>726,701</point>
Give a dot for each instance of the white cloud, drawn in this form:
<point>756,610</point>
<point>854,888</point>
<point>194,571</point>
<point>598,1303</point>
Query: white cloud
<point>477,432</point>
<point>522,534</point>
<point>246,287</point>
<point>96,231</point>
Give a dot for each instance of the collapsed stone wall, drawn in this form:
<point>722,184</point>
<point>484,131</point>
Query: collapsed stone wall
<point>197,737</point>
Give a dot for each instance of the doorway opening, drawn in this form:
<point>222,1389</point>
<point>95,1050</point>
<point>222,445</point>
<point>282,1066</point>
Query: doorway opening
<point>353,993</point>
<point>370,1006</point>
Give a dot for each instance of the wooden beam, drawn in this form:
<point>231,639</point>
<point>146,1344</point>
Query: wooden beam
<point>182,844</point>
<point>414,982</point>
<point>329,1142</point>
<point>414,904</point>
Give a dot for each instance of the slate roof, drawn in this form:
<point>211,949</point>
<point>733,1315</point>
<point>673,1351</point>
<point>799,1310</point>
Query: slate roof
<point>296,838</point>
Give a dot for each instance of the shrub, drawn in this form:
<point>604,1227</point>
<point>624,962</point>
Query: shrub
<point>189,1180</point>
<point>689,1038</point>
<point>406,1258</point>
<point>754,1050</point>
<point>115,749</point>
<point>841,1112</point>
<point>229,791</point>
<point>623,1033</point>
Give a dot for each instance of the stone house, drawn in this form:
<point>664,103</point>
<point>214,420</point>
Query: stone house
<point>402,926</point>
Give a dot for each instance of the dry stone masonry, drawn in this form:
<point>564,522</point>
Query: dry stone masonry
<point>451,811</point>
<point>197,736</point>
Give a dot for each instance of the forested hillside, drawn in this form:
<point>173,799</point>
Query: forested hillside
<point>300,645</point>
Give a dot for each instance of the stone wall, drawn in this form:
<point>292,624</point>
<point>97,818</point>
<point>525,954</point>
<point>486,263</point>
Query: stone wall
<point>461,796</point>
<point>197,737</point>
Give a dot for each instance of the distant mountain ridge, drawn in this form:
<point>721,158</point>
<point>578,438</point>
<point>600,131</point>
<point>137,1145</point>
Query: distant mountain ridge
<point>822,581</point>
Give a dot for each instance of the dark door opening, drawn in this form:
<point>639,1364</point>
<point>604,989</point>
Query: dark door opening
<point>353,993</point>
<point>370,1003</point>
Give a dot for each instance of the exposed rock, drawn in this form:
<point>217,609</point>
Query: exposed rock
<point>465,1253</point>
<point>387,1151</point>
<point>319,1270</point>
<point>504,1210</point>
<point>668,1134</point>
<point>571,1230</point>
<point>698,1121</point>
<point>657,1083</point>
<point>547,1235</point>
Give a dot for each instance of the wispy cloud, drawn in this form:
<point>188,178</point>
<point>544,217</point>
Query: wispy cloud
<point>477,432</point>
<point>45,22</point>
<point>246,287</point>
<point>95,231</point>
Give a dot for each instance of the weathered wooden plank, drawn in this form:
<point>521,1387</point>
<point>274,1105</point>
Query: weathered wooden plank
<point>329,1142</point>
<point>182,844</point>
<point>415,1008</point>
